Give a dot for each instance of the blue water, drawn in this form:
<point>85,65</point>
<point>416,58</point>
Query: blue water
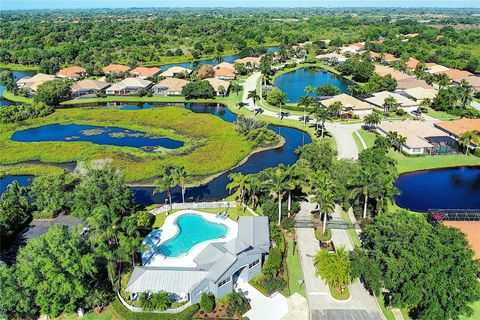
<point>193,229</point>
<point>22,180</point>
<point>105,135</point>
<point>451,188</point>
<point>294,83</point>
<point>17,75</point>
<point>191,65</point>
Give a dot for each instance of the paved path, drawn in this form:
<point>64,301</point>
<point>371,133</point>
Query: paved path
<point>274,307</point>
<point>476,105</point>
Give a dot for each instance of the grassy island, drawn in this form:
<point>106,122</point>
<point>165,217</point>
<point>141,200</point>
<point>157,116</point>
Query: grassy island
<point>211,144</point>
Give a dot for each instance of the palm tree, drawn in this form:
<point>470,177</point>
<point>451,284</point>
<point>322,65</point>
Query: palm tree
<point>364,184</point>
<point>166,183</point>
<point>388,103</point>
<point>325,199</point>
<point>276,184</point>
<point>334,268</point>
<point>322,114</point>
<point>465,93</point>
<point>465,140</point>
<point>290,185</point>
<point>180,175</point>
<point>256,187</point>
<point>254,96</point>
<point>282,99</point>
<point>240,184</point>
<point>372,120</point>
<point>336,108</point>
<point>236,88</point>
<point>442,80</point>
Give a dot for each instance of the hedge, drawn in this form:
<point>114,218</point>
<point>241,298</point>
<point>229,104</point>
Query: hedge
<point>126,314</point>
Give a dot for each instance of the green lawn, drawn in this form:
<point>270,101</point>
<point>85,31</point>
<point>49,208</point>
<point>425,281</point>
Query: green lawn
<point>106,314</point>
<point>476,312</point>
<point>18,67</point>
<point>211,144</point>
<point>10,96</point>
<point>440,115</point>
<point>294,269</point>
<point>408,164</point>
<point>387,312</point>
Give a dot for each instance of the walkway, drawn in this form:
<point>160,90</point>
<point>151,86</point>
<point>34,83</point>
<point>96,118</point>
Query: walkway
<point>274,307</point>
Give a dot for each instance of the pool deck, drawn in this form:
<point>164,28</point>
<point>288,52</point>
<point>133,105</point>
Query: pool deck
<point>170,229</point>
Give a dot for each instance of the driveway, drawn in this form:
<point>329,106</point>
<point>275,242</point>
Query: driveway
<point>274,307</point>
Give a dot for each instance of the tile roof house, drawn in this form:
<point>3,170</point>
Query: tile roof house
<point>412,63</point>
<point>254,62</point>
<point>456,128</point>
<point>175,71</point>
<point>115,68</point>
<point>470,229</point>
<point>350,104</point>
<point>474,81</point>
<point>217,83</point>
<point>224,73</point>
<point>378,99</point>
<point>129,86</point>
<point>389,58</point>
<point>30,84</point>
<point>397,75</point>
<point>419,93</point>
<point>145,72</point>
<point>455,74</point>
<point>435,68</point>
<point>73,73</point>
<point>411,82</point>
<point>85,88</point>
<point>354,48</point>
<point>225,65</point>
<point>169,87</point>
<point>421,138</point>
<point>217,268</point>
<point>332,58</point>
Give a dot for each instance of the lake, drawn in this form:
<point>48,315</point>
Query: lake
<point>216,189</point>
<point>449,188</point>
<point>99,135</point>
<point>294,83</point>
<point>17,75</point>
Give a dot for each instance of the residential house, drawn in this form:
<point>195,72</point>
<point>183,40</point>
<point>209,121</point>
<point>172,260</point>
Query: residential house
<point>86,88</point>
<point>332,58</point>
<point>434,68</point>
<point>388,58</point>
<point>412,63</point>
<point>250,62</point>
<point>30,84</point>
<point>456,128</point>
<point>145,72</point>
<point>169,87</point>
<point>456,75</point>
<point>217,84</point>
<point>129,86</point>
<point>350,104</point>
<point>421,138</point>
<point>378,100</point>
<point>385,70</point>
<point>419,94</point>
<point>115,68</point>
<point>411,82</point>
<point>474,81</point>
<point>73,73</point>
<point>224,73</point>
<point>224,64</point>
<point>177,71</point>
<point>354,48</point>
<point>218,267</point>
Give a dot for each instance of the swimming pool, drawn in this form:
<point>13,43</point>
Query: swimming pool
<point>192,230</point>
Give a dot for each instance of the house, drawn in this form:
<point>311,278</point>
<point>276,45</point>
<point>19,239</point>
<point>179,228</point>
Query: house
<point>421,138</point>
<point>388,58</point>
<point>375,56</point>
<point>145,72</point>
<point>350,104</point>
<point>470,229</point>
<point>474,81</point>
<point>419,93</point>
<point>217,84</point>
<point>30,84</point>
<point>412,63</point>
<point>332,58</point>
<point>411,35</point>
<point>169,87</point>
<point>115,68</point>
<point>177,71</point>
<point>73,73</point>
<point>354,48</point>
<point>224,64</point>
<point>378,100</point>
<point>224,73</point>
<point>456,128</point>
<point>129,86</point>
<point>250,62</point>
<point>86,88</point>
<point>382,70</point>
<point>456,75</point>
<point>434,68</point>
<point>216,268</point>
<point>411,82</point>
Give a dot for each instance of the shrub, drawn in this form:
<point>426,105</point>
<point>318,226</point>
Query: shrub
<point>272,264</point>
<point>126,314</point>
<point>207,303</point>
<point>321,237</point>
<point>272,284</point>
<point>270,209</point>
<point>53,92</point>
<point>401,112</point>
<point>11,114</point>
<point>198,89</point>
<point>237,303</point>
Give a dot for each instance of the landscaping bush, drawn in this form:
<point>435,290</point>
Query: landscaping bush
<point>400,112</point>
<point>207,303</point>
<point>198,89</point>
<point>273,263</point>
<point>11,114</point>
<point>237,304</point>
<point>320,237</point>
<point>274,284</point>
<point>124,313</point>
<point>270,209</point>
<point>53,92</point>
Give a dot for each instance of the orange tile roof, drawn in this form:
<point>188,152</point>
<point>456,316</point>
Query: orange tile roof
<point>115,68</point>
<point>389,57</point>
<point>357,44</point>
<point>411,35</point>
<point>224,72</point>
<point>455,74</point>
<point>431,64</point>
<point>145,71</point>
<point>460,126</point>
<point>471,231</point>
<point>412,63</point>
<point>71,72</point>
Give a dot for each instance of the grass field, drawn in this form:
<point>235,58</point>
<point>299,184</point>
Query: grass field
<point>10,96</point>
<point>408,164</point>
<point>18,67</point>
<point>211,144</point>
<point>294,269</point>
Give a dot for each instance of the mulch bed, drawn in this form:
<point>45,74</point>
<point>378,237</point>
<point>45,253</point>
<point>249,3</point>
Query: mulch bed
<point>220,313</point>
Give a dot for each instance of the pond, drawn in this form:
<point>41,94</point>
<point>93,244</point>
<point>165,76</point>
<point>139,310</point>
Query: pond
<point>22,180</point>
<point>99,135</point>
<point>190,65</point>
<point>294,83</point>
<point>17,75</point>
<point>216,189</point>
<point>449,188</point>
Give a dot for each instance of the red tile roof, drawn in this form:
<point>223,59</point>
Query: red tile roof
<point>145,71</point>
<point>471,231</point>
<point>224,72</point>
<point>412,63</point>
<point>115,68</point>
<point>72,72</point>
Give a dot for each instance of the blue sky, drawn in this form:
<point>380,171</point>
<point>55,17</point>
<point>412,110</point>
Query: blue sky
<point>55,4</point>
